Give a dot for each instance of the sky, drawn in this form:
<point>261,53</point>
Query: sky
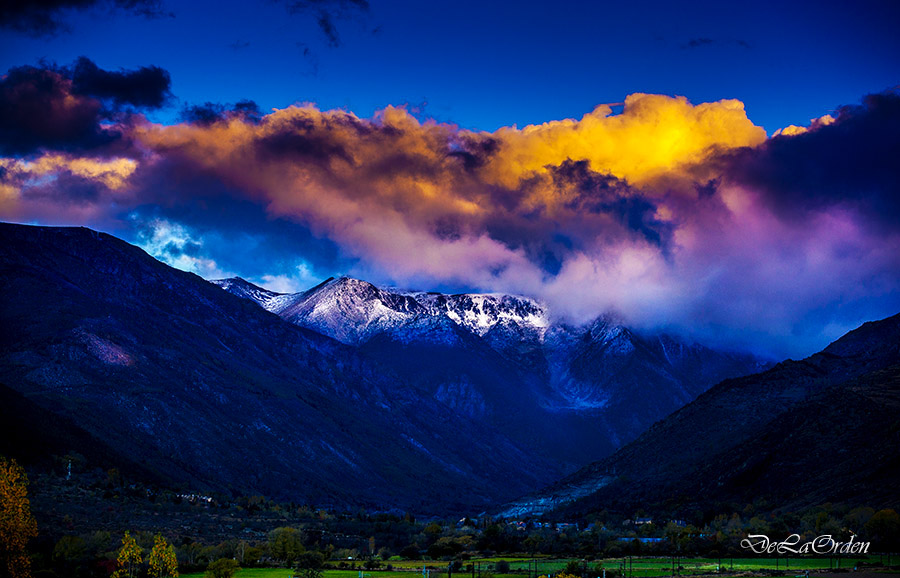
<point>723,171</point>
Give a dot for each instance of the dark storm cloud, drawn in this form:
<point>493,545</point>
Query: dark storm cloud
<point>301,145</point>
<point>62,108</point>
<point>146,87</point>
<point>604,194</point>
<point>247,110</point>
<point>203,114</point>
<point>589,208</point>
<point>47,17</point>
<point>210,113</point>
<point>849,164</point>
<point>475,152</point>
<point>37,110</point>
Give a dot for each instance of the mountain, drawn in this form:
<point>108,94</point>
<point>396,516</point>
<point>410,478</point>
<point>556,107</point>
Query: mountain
<point>824,429</point>
<point>37,437</point>
<point>211,392</point>
<point>354,311</point>
<point>344,395</point>
<point>571,393</point>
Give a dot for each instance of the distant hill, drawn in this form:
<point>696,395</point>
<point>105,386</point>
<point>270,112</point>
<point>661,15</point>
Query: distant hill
<point>824,429</point>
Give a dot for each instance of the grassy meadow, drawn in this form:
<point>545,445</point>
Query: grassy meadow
<point>637,567</point>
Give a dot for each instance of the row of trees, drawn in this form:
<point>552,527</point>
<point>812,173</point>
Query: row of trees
<point>18,527</point>
<point>161,563</point>
<point>315,537</point>
<point>312,548</point>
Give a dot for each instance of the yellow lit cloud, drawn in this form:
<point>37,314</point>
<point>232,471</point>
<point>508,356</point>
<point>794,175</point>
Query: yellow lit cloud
<point>653,134</point>
<point>331,167</point>
<point>112,173</point>
<point>794,130</point>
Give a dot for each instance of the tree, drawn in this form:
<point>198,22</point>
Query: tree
<point>129,558</point>
<point>163,562</point>
<point>309,565</point>
<point>70,550</point>
<point>17,525</point>
<point>411,552</point>
<point>285,544</point>
<point>222,568</point>
<point>883,529</point>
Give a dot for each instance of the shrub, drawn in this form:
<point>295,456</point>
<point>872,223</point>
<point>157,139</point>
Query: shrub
<point>222,568</point>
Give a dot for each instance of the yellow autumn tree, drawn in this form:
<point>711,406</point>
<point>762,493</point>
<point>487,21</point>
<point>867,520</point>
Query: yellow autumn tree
<point>129,558</point>
<point>163,563</point>
<point>17,525</point>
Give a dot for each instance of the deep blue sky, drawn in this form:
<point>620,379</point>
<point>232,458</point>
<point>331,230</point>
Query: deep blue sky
<point>483,65</point>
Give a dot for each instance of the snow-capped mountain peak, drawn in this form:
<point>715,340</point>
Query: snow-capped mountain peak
<point>481,312</point>
<point>353,311</point>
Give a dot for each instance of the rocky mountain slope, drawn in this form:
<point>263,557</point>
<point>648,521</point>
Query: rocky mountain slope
<point>354,311</point>
<point>212,392</point>
<point>346,394</point>
<point>800,434</point>
<point>576,393</point>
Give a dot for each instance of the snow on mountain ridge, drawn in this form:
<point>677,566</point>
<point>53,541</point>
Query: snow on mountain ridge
<point>496,354</point>
<point>269,300</point>
<point>481,312</point>
<point>353,311</point>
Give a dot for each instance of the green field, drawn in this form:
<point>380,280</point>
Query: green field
<point>643,567</point>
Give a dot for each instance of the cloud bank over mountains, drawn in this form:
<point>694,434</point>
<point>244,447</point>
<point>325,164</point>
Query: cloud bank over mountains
<point>671,213</point>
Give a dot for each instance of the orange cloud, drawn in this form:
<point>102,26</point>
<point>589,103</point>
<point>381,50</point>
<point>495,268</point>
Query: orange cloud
<point>333,169</point>
<point>662,212</point>
<point>22,178</point>
<point>112,173</point>
<point>654,135</point>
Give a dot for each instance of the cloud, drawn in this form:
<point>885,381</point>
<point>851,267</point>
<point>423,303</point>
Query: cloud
<point>654,135</point>
<point>698,42</point>
<point>147,87</point>
<point>793,130</point>
<point>47,17</point>
<point>704,41</point>
<point>68,108</point>
<point>326,12</point>
<point>299,278</point>
<point>57,188</point>
<point>37,109</point>
<point>175,245</point>
<point>676,215</point>
<point>843,163</point>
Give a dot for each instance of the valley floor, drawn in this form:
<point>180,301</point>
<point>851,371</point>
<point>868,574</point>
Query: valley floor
<point>628,567</point>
